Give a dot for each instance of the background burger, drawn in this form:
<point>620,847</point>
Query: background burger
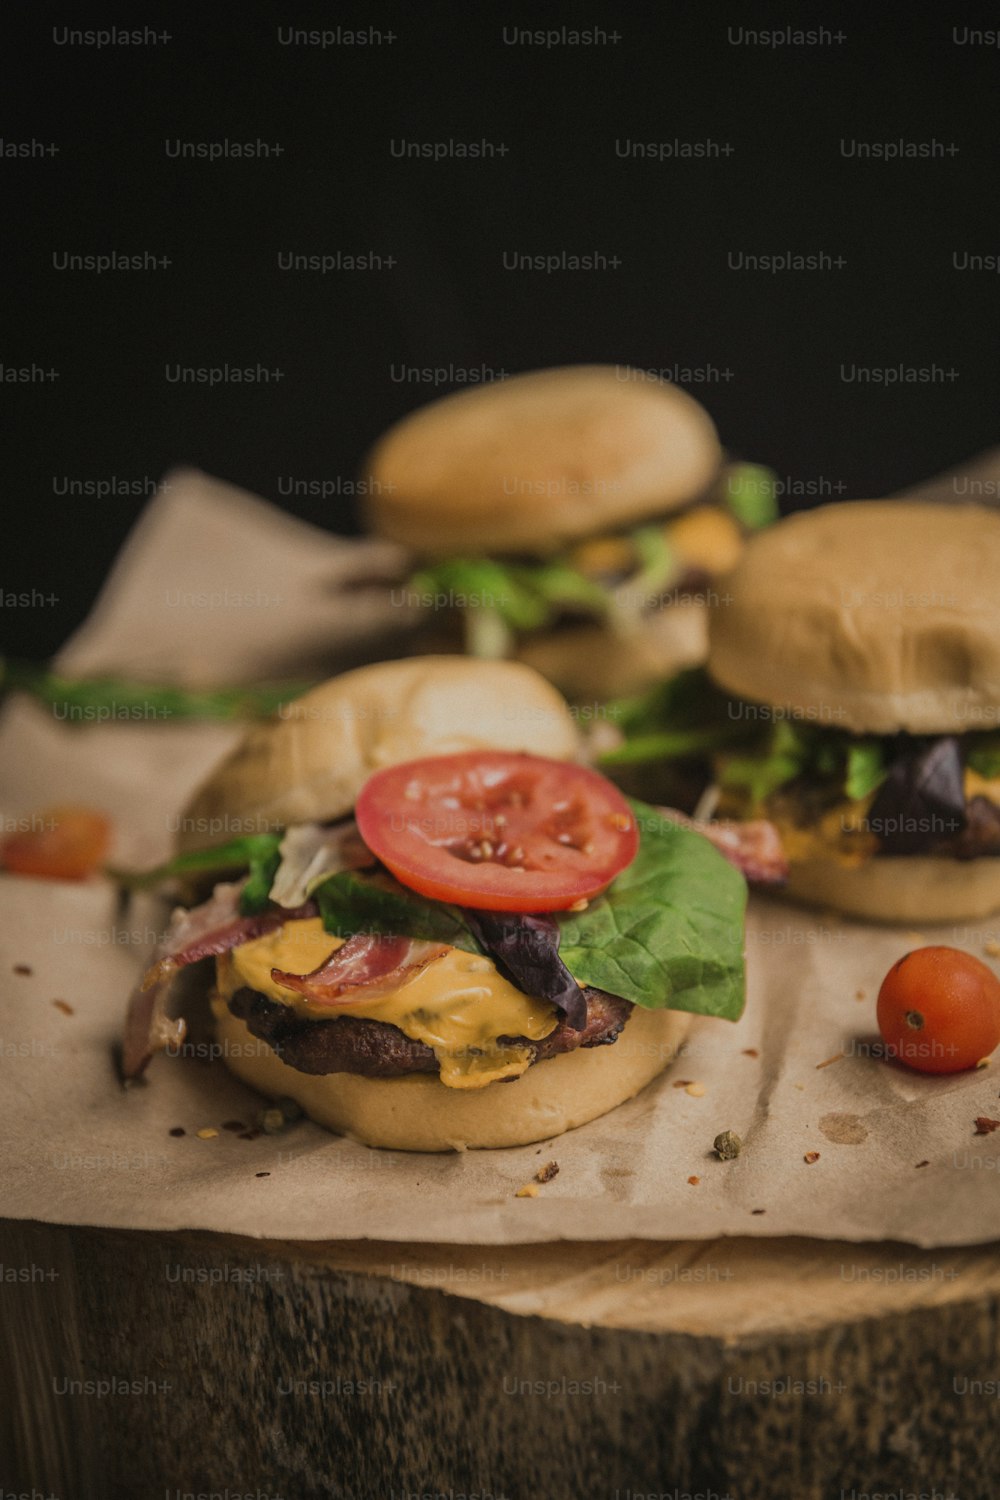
<point>853,699</point>
<point>573,517</point>
<point>439,930</point>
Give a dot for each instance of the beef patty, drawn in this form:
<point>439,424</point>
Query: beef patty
<point>375,1049</point>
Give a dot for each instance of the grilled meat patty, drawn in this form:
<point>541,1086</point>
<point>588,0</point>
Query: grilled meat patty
<point>349,1044</point>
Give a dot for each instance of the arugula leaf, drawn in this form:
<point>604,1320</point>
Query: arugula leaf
<point>350,903</point>
<point>750,492</point>
<point>669,931</point>
<point>984,756</point>
<point>254,851</point>
<point>264,861</point>
<point>866,768</point>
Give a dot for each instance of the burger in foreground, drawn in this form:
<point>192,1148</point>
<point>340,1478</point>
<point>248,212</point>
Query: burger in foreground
<point>572,517</point>
<point>853,701</point>
<point>441,932</point>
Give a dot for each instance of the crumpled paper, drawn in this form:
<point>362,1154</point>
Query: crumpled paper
<point>836,1142</point>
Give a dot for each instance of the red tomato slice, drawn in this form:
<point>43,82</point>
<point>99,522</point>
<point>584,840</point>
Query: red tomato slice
<point>498,831</point>
<point>60,843</point>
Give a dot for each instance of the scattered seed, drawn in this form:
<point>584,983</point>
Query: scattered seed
<point>923,1163</point>
<point>681,1083</point>
<point>271,1121</point>
<point>530,1190</point>
<point>546,1173</point>
<point>758,1210</point>
<point>751,1052</point>
<point>727,1145</point>
<point>983,1062</point>
<point>65,1007</point>
<point>23,969</point>
<point>800,1086</point>
<point>860,995</point>
<point>992,948</point>
<point>580,905</point>
<point>696,1090</point>
<point>262,1174</point>
<point>207,1133</point>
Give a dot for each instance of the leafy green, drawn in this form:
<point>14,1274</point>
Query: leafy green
<point>984,757</point>
<point>102,700</point>
<point>257,852</point>
<point>264,858</point>
<point>350,903</point>
<point>669,931</point>
<point>511,597</point>
<point>866,767</point>
<point>750,491</point>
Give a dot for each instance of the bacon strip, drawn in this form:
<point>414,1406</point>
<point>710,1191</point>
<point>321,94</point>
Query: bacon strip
<point>212,928</point>
<point>374,962</point>
<point>754,848</point>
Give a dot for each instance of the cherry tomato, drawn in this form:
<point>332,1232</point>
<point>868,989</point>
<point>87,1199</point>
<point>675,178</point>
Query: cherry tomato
<point>939,1010</point>
<point>498,831</point>
<point>59,843</point>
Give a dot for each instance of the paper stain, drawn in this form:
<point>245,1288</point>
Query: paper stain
<point>843,1129</point>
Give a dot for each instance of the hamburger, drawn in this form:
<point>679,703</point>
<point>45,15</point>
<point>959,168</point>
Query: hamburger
<point>430,925</point>
<point>852,699</point>
<point>574,518</point>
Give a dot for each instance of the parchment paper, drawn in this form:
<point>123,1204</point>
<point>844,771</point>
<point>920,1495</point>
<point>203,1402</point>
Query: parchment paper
<point>898,1154</point>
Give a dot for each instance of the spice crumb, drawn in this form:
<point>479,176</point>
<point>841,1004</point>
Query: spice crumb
<point>923,1163</point>
<point>799,1086</point>
<point>810,1157</point>
<point>530,1190</point>
<point>696,1090</point>
<point>758,1210</point>
<point>233,1125</point>
<point>835,1058</point>
<point>23,969</point>
<point>750,1052</point>
<point>262,1174</point>
<point>178,1130</point>
<point>65,1007</point>
<point>546,1173</point>
<point>694,1181</point>
<point>861,994</point>
<point>206,1133</point>
<point>727,1145</point>
<point>682,1083</point>
<point>986,1126</point>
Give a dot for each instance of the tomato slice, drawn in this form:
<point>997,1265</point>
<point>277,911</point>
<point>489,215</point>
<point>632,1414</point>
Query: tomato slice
<point>59,843</point>
<point>498,831</point>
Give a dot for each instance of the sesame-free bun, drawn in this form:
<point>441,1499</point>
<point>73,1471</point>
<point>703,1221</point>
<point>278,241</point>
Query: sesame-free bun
<point>872,616</point>
<point>419,1113</point>
<point>309,763</point>
<point>893,888</point>
<point>527,464</point>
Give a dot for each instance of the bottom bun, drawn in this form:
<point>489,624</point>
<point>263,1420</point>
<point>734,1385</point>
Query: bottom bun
<point>892,888</point>
<point>592,661</point>
<point>419,1113</point>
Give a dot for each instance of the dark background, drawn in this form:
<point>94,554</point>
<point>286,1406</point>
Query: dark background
<point>341,339</point>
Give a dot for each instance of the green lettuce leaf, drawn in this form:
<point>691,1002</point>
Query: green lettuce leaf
<point>984,757</point>
<point>669,932</point>
<point>751,493</point>
<point>256,852</point>
<point>350,903</point>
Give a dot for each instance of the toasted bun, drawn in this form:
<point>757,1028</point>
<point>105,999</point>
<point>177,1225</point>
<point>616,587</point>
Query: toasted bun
<point>527,464</point>
<point>873,616</point>
<point>310,763</point>
<point>419,1113</point>
<point>921,888</point>
<point>591,661</point>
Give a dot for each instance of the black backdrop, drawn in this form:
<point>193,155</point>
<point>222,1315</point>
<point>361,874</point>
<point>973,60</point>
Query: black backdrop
<point>774,354</point>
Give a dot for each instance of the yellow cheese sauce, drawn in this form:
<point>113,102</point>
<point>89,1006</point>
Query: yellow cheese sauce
<point>841,834</point>
<point>457,1004</point>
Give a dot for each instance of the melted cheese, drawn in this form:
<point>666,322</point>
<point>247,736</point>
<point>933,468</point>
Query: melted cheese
<point>458,1004</point>
<point>977,786</point>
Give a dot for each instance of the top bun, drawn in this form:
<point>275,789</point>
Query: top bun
<point>527,464</point>
<point>873,616</point>
<point>309,764</point>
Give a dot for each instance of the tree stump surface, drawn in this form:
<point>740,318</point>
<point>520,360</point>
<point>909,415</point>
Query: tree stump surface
<point>740,1368</point>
